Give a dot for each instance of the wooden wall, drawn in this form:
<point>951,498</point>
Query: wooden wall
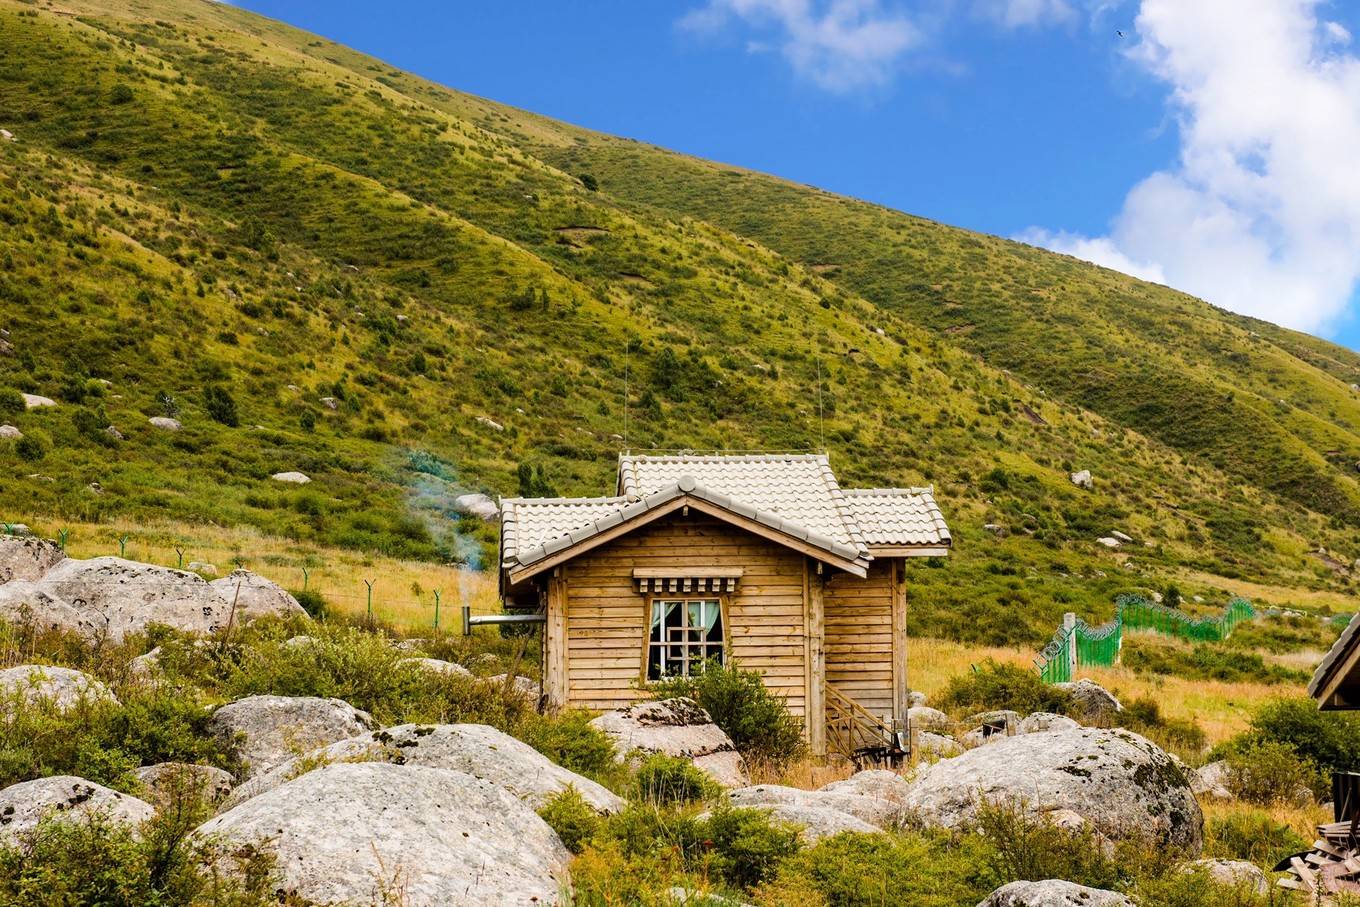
<point>607,617</point>
<point>859,636</point>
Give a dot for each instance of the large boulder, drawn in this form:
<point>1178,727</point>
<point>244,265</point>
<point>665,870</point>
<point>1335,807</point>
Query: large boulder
<point>1093,704</point>
<point>121,597</point>
<point>64,688</point>
<point>167,782</point>
<point>923,717</point>
<point>869,810</point>
<point>1037,722</point>
<point>353,832</point>
<point>27,558</point>
<point>258,597</point>
<point>1122,784</point>
<point>676,727</point>
<point>1213,781</point>
<point>436,666</point>
<point>874,782</point>
<point>1053,893</point>
<point>25,602</point>
<point>937,746</point>
<point>815,820</point>
<point>1238,874</point>
<point>269,729</point>
<point>475,749</point>
<point>24,805</point>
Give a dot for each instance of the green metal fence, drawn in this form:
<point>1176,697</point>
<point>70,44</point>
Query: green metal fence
<point>1079,643</point>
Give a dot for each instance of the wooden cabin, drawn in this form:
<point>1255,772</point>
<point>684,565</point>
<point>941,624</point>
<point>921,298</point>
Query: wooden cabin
<point>759,559</point>
<point>1336,682</point>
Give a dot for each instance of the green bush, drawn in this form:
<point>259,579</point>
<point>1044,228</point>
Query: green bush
<point>672,779</point>
<point>1207,662</point>
<point>853,869</point>
<point>568,739</point>
<point>1252,836</point>
<point>746,846</point>
<point>1328,740</point>
<point>220,405</point>
<point>1022,845</point>
<point>996,685</point>
<point>33,446</point>
<point>1194,889</point>
<point>11,403</point>
<point>1145,716</point>
<point>1271,771</point>
<point>313,602</point>
<point>575,822</point>
<point>759,723</point>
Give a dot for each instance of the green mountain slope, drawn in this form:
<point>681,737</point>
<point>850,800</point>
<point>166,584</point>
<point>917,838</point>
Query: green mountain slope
<point>318,263</point>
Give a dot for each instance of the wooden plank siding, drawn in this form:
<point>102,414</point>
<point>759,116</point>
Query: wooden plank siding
<point>607,617</point>
<point>859,636</point>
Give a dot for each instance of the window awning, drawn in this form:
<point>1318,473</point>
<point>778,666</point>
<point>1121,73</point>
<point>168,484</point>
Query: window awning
<point>686,579</point>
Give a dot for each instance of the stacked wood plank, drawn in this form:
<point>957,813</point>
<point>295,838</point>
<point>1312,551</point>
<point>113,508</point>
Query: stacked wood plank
<point>1331,867</point>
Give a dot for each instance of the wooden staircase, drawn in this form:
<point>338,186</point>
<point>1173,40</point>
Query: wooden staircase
<point>857,734</point>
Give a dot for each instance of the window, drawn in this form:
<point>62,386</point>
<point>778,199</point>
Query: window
<point>684,633</point>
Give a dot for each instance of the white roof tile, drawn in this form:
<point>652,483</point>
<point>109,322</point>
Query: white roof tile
<point>897,516</point>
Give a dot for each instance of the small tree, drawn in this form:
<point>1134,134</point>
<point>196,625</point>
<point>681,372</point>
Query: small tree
<point>533,483</point>
<point>591,184</point>
<point>220,405</point>
<point>11,403</point>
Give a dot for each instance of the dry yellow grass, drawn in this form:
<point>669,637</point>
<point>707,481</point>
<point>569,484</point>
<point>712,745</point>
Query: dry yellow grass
<point>403,591</point>
<point>1221,709</point>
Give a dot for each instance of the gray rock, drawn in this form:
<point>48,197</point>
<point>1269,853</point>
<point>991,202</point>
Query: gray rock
<point>491,423</point>
<point>28,603</point>
<point>1108,542</point>
<point>203,567</point>
<point>525,686</point>
<point>438,667</point>
<point>34,401</point>
<point>874,811</point>
<point>349,833</point>
<point>816,821</point>
<point>258,596</point>
<point>1082,479</point>
<point>1093,703</point>
<point>915,698</point>
<point>165,423</point>
<point>23,806</point>
<point>1045,721</point>
<point>478,505</point>
<point>676,727</point>
<point>1212,781</point>
<point>1053,893</point>
<point>938,746</point>
<point>119,597</point>
<point>145,666</point>
<point>476,749</point>
<point>10,433</point>
<point>64,688</point>
<point>873,782</point>
<point>1120,536</point>
<point>165,782</point>
<point>27,558</point>
<point>1125,786</point>
<point>330,403</point>
<point>291,478</point>
<point>271,729</point>
<point>1238,874</point>
<point>113,432</point>
<point>923,717</point>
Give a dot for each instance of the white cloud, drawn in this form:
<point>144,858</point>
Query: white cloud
<point>1336,32</point>
<point>1261,213</point>
<point>839,44</point>
<point>1099,250</point>
<point>1020,13</point>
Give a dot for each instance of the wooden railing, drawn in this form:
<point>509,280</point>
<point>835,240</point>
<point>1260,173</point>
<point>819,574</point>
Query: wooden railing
<point>855,732</point>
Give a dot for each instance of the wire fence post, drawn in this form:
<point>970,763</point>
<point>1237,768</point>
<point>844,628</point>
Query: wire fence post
<point>62,535</point>
<point>305,577</point>
<point>122,545</point>
<point>179,552</point>
<point>369,583</point>
<point>436,609</point>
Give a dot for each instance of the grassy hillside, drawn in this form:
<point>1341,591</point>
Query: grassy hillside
<point>318,263</point>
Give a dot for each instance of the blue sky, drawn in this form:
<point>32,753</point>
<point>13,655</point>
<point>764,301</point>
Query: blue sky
<point>1209,147</point>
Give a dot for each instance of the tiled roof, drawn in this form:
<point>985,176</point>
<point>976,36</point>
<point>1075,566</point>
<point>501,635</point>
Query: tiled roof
<point>798,487</point>
<point>1336,657</point>
<point>795,494</point>
<point>897,516</point>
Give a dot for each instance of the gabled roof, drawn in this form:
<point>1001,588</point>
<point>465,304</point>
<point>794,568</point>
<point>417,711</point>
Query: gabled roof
<point>797,487</point>
<point>1339,662</point>
<point>897,516</point>
<point>793,498</point>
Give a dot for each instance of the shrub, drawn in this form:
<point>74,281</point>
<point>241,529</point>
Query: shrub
<point>672,779</point>
<point>1270,771</point>
<point>313,602</point>
<point>996,685</point>
<point>1145,716</point>
<point>568,814</point>
<point>11,403</point>
<point>220,405</point>
<point>33,446</point>
<point>1251,835</point>
<point>1194,889</point>
<point>568,739</point>
<point>747,845</point>
<point>1022,845</point>
<point>120,94</point>
<point>847,870</point>
<point>1329,740</point>
<point>758,721</point>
